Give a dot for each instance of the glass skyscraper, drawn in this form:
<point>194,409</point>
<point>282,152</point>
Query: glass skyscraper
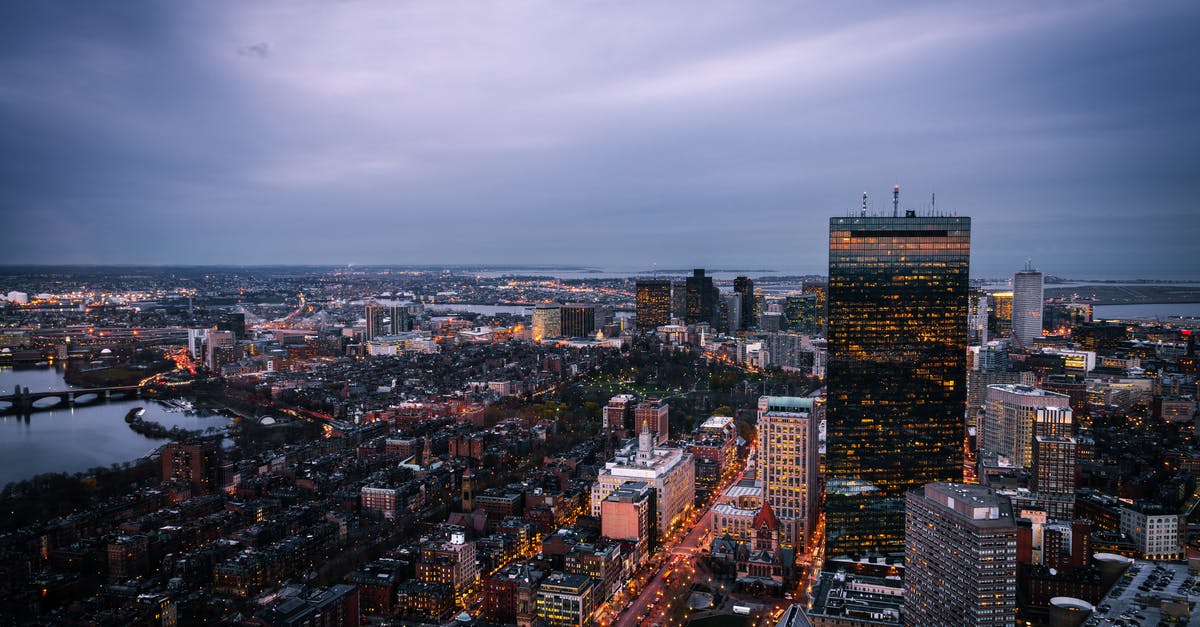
<point>896,371</point>
<point>653,300</point>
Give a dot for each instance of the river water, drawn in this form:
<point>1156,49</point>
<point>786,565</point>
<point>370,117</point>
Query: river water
<point>72,440</point>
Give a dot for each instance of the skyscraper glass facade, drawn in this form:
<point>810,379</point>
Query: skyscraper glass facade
<point>653,303</point>
<point>896,371</point>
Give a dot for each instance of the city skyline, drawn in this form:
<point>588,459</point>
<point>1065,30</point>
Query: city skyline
<point>543,133</point>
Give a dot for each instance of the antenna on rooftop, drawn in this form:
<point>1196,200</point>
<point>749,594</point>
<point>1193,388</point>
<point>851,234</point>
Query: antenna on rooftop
<point>864,207</point>
<point>933,203</point>
<point>896,201</point>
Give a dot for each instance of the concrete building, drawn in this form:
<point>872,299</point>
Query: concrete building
<point>851,600</point>
<point>960,557</point>
<point>1156,534</point>
<point>670,471</point>
<point>1027,301</point>
<point>788,463</point>
<point>566,600</point>
<point>1017,413</point>
<point>628,514</point>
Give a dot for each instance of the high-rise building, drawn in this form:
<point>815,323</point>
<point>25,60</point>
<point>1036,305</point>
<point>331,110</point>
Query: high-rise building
<point>977,320</point>
<point>787,445</point>
<point>896,372</point>
<point>547,322</point>
<point>821,291</point>
<point>730,318</point>
<point>960,557</point>
<point>1027,302</point>
<point>701,298</point>
<point>1017,413</point>
<point>744,285</point>
<point>1000,307</point>
<point>800,314</point>
<point>192,463</point>
<point>1052,479</point>
<point>386,320</point>
<point>653,303</point>
<point>578,320</point>
<point>653,414</point>
<point>679,299</point>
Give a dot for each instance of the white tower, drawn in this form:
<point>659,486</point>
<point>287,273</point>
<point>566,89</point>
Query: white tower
<point>1027,306</point>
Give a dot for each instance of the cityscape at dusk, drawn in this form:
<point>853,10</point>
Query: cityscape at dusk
<point>617,314</point>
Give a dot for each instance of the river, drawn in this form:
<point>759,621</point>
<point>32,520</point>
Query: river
<point>71,440</point>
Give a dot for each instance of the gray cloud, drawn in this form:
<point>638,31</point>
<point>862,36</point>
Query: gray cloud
<point>606,133</point>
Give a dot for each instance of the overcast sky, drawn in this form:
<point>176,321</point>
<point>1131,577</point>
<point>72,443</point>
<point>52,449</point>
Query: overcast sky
<point>614,133</point>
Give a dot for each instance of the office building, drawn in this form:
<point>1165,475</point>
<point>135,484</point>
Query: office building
<point>960,557</point>
<point>1000,306</point>
<point>801,315</point>
<point>566,600</point>
<point>1017,413</point>
<point>750,303</point>
<point>729,319</point>
<point>977,320</point>
<point>670,471</point>
<point>547,322</point>
<point>653,301</point>
<point>787,445</point>
<point>678,299</point>
<point>578,320</point>
<point>897,348</point>
<point>701,299</point>
<point>1027,303</point>
<point>821,291</point>
<point>1156,534</point>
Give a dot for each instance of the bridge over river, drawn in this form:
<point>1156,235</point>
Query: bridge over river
<point>22,402</point>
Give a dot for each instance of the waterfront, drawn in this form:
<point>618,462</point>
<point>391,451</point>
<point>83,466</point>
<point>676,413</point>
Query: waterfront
<point>1146,311</point>
<point>73,440</point>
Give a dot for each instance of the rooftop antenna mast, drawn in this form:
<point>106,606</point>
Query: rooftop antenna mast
<point>864,207</point>
<point>933,203</point>
<point>896,201</point>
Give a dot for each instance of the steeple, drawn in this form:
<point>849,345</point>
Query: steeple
<point>645,441</point>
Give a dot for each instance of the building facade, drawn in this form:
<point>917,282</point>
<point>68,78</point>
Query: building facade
<point>547,322</point>
<point>1027,302</point>
<point>897,346</point>
<point>670,471</point>
<point>749,316</point>
<point>788,464</point>
<point>1016,413</point>
<point>653,302</point>
<point>960,557</point>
